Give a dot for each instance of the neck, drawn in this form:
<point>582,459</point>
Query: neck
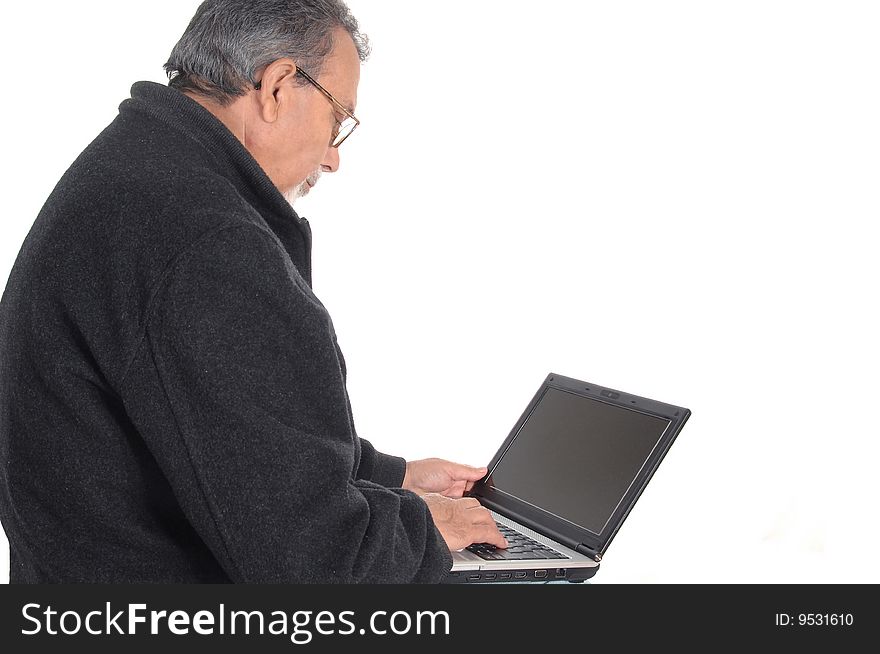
<point>230,116</point>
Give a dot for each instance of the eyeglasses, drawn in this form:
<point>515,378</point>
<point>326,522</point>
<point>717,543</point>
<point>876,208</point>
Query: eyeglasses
<point>343,129</point>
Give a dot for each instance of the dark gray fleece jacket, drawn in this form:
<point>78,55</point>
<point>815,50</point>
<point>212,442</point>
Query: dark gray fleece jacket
<point>173,403</point>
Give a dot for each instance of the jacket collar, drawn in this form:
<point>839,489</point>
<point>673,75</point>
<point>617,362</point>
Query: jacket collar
<point>234,162</point>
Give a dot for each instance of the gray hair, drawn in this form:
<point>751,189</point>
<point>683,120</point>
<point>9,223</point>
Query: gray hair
<point>227,41</point>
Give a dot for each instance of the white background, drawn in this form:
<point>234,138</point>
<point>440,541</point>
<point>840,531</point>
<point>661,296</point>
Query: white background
<point>674,199</point>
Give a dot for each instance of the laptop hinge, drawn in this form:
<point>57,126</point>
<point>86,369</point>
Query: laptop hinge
<point>588,551</point>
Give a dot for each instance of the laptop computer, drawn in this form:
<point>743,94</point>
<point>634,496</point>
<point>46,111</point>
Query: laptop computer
<point>565,479</point>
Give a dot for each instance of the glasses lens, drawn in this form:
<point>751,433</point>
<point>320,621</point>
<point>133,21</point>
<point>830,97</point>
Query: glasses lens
<point>345,130</point>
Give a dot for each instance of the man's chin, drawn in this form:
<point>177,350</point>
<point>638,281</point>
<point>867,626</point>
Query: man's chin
<point>295,194</point>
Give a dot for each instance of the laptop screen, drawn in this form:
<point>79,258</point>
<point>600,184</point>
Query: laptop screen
<point>577,457</point>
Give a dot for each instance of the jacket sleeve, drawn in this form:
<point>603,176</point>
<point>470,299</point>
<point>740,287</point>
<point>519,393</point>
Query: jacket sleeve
<point>242,401</point>
<point>379,468</point>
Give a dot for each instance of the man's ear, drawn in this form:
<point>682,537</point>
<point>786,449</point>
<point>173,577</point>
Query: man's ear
<point>275,86</point>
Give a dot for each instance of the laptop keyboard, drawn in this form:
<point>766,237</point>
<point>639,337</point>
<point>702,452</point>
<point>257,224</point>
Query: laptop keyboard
<point>521,548</point>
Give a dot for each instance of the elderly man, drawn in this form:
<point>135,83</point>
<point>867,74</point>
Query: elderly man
<point>173,405</point>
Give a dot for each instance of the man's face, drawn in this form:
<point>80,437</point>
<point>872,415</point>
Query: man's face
<point>291,137</point>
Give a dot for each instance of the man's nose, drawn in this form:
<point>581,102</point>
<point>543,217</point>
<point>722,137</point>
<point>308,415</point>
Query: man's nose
<point>331,161</point>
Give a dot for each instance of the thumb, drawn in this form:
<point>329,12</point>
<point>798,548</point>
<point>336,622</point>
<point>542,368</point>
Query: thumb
<point>469,473</point>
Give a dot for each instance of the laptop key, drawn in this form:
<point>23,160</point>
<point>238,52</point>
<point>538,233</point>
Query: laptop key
<point>521,548</point>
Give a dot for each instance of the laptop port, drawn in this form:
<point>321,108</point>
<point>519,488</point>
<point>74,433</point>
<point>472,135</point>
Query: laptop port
<point>540,574</point>
<point>490,575</point>
<point>519,575</point>
<point>474,578</point>
<point>505,575</point>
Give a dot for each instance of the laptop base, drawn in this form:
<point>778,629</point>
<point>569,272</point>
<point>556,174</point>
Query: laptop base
<point>542,576</point>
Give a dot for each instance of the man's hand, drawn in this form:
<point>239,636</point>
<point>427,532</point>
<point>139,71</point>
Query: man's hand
<point>439,476</point>
<point>463,522</point>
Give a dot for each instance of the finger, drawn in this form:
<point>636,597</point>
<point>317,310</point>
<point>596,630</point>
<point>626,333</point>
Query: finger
<point>459,471</point>
<point>470,503</point>
<point>491,535</point>
<point>456,490</point>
